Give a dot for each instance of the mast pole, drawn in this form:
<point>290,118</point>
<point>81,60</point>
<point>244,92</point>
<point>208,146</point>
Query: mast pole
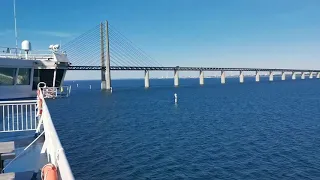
<point>15,25</point>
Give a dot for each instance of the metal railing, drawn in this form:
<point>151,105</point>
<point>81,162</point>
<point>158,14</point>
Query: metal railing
<point>24,115</point>
<point>7,52</point>
<point>52,143</point>
<point>29,57</point>
<point>56,92</point>
<point>18,115</point>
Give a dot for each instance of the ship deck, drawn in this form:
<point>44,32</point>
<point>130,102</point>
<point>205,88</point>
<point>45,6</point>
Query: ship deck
<point>29,141</point>
<point>20,164</point>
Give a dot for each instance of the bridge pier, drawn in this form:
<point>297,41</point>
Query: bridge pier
<point>241,77</point>
<point>318,75</point>
<point>303,75</point>
<point>201,78</point>
<point>283,76</point>
<point>293,75</point>
<point>257,76</point>
<point>270,76</point>
<point>311,75</point>
<point>146,79</point>
<point>223,77</point>
<point>176,77</point>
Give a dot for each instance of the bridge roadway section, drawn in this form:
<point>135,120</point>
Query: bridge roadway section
<point>106,75</point>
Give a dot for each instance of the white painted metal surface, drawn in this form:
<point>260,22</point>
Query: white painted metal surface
<point>40,55</point>
<point>52,144</point>
<point>26,45</point>
<point>35,60</point>
<point>18,116</point>
<point>56,92</point>
<point>17,90</point>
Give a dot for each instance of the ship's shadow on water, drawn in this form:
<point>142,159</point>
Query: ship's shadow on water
<point>234,131</point>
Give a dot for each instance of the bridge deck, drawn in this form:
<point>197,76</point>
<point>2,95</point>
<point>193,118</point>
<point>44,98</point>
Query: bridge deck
<point>137,68</point>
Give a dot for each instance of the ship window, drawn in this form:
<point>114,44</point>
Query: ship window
<point>7,76</point>
<point>46,76</point>
<point>23,76</point>
<point>59,76</point>
<point>36,79</point>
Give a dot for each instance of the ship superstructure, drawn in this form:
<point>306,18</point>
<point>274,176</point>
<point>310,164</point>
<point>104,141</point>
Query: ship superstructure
<point>22,69</point>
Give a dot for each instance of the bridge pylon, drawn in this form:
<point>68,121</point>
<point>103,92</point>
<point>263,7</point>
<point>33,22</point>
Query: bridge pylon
<point>105,57</point>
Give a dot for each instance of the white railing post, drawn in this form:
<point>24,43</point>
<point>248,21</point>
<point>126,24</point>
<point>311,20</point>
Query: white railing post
<point>18,115</point>
<point>54,148</point>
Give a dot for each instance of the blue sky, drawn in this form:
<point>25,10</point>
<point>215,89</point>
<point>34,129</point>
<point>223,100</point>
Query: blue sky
<point>230,33</point>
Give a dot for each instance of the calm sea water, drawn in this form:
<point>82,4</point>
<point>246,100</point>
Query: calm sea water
<point>265,130</point>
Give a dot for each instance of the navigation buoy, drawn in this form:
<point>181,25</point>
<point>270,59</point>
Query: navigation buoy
<point>175,98</point>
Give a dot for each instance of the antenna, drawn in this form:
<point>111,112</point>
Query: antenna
<point>15,24</point>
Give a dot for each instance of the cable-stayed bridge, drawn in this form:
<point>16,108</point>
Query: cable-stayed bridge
<point>106,49</point>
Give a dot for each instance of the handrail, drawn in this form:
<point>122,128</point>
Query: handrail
<point>18,102</point>
<point>26,115</point>
<point>18,115</point>
<point>30,57</point>
<point>54,148</point>
<point>7,52</point>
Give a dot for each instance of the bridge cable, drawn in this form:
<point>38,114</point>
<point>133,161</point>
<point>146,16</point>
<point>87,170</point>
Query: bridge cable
<point>125,46</point>
<point>117,48</point>
<point>133,45</point>
<point>125,43</point>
